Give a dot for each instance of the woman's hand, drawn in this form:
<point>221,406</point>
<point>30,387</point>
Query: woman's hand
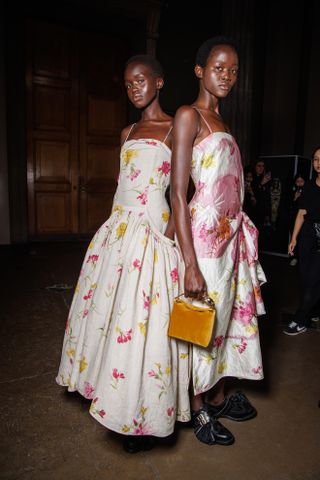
<point>194,283</point>
<point>292,246</point>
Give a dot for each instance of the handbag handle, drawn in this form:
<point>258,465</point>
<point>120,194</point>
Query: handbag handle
<point>206,299</point>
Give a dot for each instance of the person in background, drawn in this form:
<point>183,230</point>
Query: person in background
<point>307,228</point>
<point>297,189</point>
<point>250,201</point>
<point>261,189</point>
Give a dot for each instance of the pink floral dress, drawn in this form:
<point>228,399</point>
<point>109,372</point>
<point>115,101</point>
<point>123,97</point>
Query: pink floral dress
<point>116,350</point>
<point>225,241</point>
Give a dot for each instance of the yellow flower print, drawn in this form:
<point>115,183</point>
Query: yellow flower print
<point>125,429</point>
<point>233,284</point>
<point>243,281</point>
<point>155,256</point>
<point>118,208</point>
<point>143,411</point>
<point>221,367</point>
<point>208,358</point>
<point>165,215</point>
<point>91,245</point>
<point>77,288</point>
<point>82,364</point>
<point>151,181</point>
<point>251,329</point>
<point>184,355</point>
<point>128,155</point>
<point>142,328</point>
<point>215,296</point>
<point>208,160</point>
<point>144,241</point>
<point>71,352</point>
<point>167,371</point>
<point>120,231</point>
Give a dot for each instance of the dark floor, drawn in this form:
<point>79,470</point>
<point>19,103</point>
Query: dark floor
<point>47,434</point>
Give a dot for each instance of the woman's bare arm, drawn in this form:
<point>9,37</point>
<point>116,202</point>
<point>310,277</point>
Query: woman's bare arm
<point>185,130</point>
<point>297,227</point>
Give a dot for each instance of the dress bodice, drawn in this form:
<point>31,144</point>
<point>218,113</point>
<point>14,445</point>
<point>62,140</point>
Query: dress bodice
<point>217,173</point>
<point>145,166</point>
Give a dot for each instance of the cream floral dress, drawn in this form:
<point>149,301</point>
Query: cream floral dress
<point>116,350</point>
<point>225,241</point>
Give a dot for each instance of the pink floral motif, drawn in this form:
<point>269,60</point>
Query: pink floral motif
<point>120,268</point>
<point>88,390</point>
<point>88,295</point>
<point>152,373</point>
<point>257,370</point>
<point>218,341</point>
<point>95,410</point>
<point>125,337</point>
<point>134,174</point>
<point>143,197</point>
<point>139,429</point>
<point>174,275</point>
<point>146,301</point>
<point>137,264</point>
<point>170,411</point>
<point>92,258</point>
<point>242,347</point>
<point>117,374</point>
<point>150,142</point>
<point>85,313</point>
<point>244,311</point>
<point>165,168</point>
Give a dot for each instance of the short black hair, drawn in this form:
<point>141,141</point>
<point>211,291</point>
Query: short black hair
<point>204,50</point>
<point>149,61</point>
<point>314,151</point>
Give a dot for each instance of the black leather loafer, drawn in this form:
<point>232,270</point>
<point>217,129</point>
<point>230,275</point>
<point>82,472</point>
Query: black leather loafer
<point>236,407</point>
<point>209,430</point>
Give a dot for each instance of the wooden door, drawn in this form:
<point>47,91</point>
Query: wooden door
<point>102,116</point>
<point>75,112</point>
<point>52,130</point>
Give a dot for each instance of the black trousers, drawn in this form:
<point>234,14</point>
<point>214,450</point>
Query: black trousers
<point>310,278</point>
<point>309,306</point>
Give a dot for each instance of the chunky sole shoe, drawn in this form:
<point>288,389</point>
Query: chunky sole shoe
<point>235,407</point>
<point>135,444</point>
<point>209,430</point>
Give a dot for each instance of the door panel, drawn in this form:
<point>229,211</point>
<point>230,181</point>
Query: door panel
<point>103,115</point>
<point>76,110</point>
<point>52,130</point>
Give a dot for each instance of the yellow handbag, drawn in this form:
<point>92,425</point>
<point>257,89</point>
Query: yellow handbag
<point>191,323</point>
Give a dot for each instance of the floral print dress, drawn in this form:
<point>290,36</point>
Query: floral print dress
<point>225,241</point>
<point>116,350</point>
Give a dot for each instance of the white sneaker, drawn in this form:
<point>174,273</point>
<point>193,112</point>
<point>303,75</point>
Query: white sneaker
<point>293,262</point>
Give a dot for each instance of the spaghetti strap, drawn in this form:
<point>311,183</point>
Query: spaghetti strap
<point>168,133</point>
<point>205,121</point>
<point>129,132</point>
